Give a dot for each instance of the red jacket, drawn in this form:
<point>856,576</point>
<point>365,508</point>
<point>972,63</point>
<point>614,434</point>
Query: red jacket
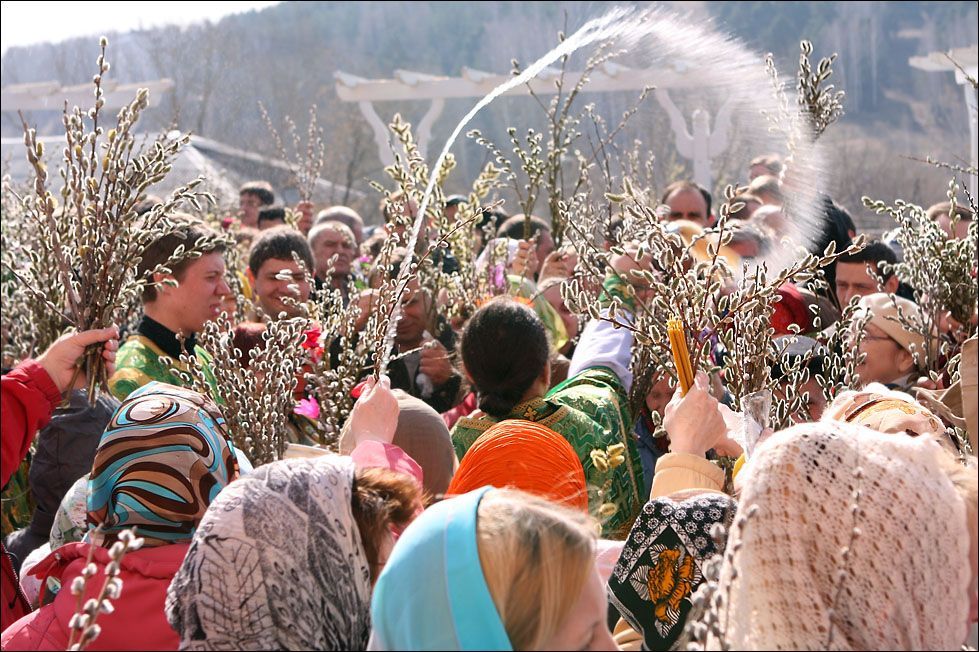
<point>28,396</point>
<point>138,621</point>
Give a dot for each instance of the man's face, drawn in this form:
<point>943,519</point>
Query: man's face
<point>414,316</point>
<point>330,243</point>
<point>855,280</point>
<point>886,360</point>
<point>248,206</point>
<point>277,279</point>
<point>553,296</point>
<point>199,295</point>
<point>659,394</point>
<point>688,205</point>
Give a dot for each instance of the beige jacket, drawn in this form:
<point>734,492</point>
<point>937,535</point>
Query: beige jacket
<point>680,471</point>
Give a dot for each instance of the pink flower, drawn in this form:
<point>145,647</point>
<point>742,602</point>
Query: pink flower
<point>308,407</point>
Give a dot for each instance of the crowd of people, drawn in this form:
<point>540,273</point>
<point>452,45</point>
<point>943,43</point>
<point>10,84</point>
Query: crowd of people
<point>498,488</point>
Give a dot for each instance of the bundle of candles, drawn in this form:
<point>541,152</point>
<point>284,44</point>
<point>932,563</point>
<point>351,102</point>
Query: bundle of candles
<point>681,356</point>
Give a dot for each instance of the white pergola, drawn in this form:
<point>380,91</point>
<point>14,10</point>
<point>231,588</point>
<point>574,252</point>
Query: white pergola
<point>964,62</point>
<point>51,95</point>
<point>700,142</point>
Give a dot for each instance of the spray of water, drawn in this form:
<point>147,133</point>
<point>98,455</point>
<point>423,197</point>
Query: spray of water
<point>716,69</point>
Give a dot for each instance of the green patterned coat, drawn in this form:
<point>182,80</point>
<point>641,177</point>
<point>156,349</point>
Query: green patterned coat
<point>138,363</point>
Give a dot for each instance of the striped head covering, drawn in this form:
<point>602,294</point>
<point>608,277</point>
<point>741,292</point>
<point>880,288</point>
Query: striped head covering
<point>524,455</point>
<point>161,461</point>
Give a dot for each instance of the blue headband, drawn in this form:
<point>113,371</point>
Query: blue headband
<point>434,578</point>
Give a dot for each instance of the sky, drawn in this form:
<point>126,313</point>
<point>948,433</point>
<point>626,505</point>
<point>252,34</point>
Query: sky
<point>26,23</point>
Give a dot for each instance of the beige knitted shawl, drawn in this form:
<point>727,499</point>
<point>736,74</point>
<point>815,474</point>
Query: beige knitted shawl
<point>903,585</point>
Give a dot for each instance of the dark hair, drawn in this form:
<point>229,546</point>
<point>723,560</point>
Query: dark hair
<point>613,229</point>
<point>513,227</point>
<point>875,252</point>
<point>279,243</point>
<point>261,189</point>
<point>381,498</point>
<point>492,218</point>
<point>387,269</point>
<point>504,348</point>
<point>146,204</point>
<point>271,213</point>
<point>247,336</point>
<point>372,246</point>
<point>454,200</point>
<point>188,231</point>
<point>678,186</point>
<point>836,227</point>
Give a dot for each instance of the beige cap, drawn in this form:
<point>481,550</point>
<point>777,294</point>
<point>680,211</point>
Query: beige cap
<point>884,308</point>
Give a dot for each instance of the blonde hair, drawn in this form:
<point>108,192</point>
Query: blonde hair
<point>536,557</point>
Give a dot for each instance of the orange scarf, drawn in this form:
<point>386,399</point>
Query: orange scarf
<point>527,456</point>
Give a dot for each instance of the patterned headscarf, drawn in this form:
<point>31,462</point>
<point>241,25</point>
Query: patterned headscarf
<point>662,564</point>
<point>277,563</point>
<point>527,456</point>
<point>888,412</point>
<point>70,521</point>
<point>163,458</point>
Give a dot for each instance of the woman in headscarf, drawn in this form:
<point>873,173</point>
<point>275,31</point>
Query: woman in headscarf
<point>527,456</point>
<point>162,460</point>
<point>286,556</point>
<point>493,569</point>
<point>851,539</point>
<point>888,411</point>
<point>662,564</point>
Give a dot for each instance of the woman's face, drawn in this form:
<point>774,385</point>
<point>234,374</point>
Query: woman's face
<point>585,627</point>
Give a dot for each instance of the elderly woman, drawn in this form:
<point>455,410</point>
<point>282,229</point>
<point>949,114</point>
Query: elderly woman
<point>162,460</point>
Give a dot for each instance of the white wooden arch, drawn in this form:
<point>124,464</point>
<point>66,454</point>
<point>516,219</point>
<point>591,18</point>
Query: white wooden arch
<point>51,95</point>
<point>964,62</point>
<point>700,143</point>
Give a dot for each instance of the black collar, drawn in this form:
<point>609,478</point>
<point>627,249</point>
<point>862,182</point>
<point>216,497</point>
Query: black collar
<point>165,338</point>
